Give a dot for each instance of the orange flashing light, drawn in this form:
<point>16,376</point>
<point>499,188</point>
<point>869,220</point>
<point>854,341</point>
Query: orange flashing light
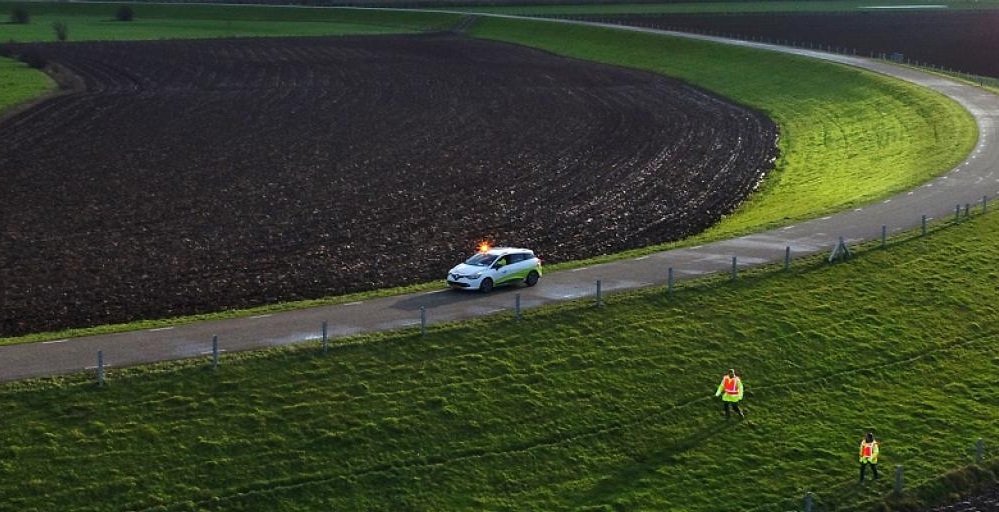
<point>483,246</point>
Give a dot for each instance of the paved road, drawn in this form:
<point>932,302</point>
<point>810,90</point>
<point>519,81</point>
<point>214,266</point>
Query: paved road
<point>968,183</point>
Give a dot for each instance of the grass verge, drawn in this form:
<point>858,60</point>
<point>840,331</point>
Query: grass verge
<point>20,84</point>
<point>572,408</point>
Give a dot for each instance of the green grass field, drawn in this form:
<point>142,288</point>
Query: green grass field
<point>19,83</point>
<point>573,408</point>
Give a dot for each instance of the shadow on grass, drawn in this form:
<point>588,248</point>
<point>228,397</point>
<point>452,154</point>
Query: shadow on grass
<point>646,465</point>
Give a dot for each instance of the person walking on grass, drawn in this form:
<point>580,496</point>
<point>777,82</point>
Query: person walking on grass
<point>730,390</point>
<point>869,455</point>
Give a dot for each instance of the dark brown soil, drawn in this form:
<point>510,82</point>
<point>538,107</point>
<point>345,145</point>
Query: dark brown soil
<point>965,41</point>
<point>197,176</point>
<point>987,501</point>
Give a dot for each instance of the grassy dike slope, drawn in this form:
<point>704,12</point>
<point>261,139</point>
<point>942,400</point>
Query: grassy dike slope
<point>19,84</point>
<point>573,408</point>
<point>848,137</point>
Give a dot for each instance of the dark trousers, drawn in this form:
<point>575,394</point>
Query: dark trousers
<point>734,406</point>
<point>863,468</point>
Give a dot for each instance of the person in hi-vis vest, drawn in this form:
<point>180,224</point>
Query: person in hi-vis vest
<point>730,390</point>
<point>868,455</point>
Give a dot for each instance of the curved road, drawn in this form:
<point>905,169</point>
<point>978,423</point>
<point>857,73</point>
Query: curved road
<point>968,183</point>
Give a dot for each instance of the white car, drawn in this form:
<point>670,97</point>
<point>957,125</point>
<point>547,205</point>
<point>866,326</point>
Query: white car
<point>496,267</point>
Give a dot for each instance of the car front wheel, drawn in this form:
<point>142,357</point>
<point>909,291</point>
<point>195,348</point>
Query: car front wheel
<point>486,286</point>
<point>532,279</point>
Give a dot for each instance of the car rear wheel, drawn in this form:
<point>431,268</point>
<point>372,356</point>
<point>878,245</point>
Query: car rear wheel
<point>486,286</point>
<point>532,278</point>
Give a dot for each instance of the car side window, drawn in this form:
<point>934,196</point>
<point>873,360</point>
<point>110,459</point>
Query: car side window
<point>515,258</point>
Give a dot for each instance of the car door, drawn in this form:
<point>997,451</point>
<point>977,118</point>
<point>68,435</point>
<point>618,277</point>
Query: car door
<point>504,268</point>
<point>515,267</point>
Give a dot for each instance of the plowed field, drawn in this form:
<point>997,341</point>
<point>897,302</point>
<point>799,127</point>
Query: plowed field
<point>987,501</point>
<point>193,176</point>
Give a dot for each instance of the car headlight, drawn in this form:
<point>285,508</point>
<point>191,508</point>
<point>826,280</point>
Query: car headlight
<point>475,275</point>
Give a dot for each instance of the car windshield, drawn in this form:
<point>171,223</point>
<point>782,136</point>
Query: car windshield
<point>481,259</point>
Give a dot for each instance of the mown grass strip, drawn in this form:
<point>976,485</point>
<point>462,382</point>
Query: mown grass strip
<point>572,408</point>
<point>19,84</point>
